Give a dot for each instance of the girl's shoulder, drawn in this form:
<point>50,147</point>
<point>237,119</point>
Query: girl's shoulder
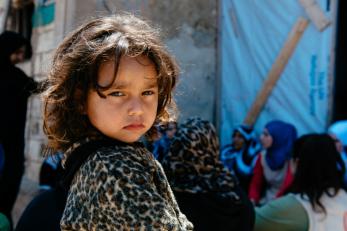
<point>122,152</point>
<point>88,157</point>
<point>119,158</point>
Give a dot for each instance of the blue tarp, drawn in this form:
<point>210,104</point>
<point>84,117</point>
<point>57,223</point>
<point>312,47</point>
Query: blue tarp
<point>249,46</point>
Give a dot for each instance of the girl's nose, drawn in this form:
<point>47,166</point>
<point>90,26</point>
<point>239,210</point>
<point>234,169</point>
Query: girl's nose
<point>135,107</point>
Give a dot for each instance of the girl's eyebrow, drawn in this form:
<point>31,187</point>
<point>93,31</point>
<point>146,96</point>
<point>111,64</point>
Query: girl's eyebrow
<point>152,84</point>
<point>119,86</point>
<point>149,84</point>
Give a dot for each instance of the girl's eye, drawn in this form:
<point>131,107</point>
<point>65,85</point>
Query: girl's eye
<point>116,93</point>
<point>148,93</point>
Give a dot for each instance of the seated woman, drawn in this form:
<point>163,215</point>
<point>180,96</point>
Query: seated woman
<point>272,173</point>
<point>206,191</point>
<point>240,156</point>
<point>318,199</point>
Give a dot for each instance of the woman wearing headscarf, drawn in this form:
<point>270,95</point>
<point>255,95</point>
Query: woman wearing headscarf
<point>317,198</point>
<point>15,88</point>
<point>272,171</point>
<point>206,191</point>
<point>240,156</point>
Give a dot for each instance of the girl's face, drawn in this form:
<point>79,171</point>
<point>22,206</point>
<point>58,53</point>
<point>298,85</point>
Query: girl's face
<point>266,139</point>
<point>130,106</point>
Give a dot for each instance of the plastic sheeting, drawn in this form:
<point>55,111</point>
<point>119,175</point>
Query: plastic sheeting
<point>252,35</point>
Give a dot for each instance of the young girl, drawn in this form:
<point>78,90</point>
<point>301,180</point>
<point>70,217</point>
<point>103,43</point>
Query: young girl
<point>111,81</point>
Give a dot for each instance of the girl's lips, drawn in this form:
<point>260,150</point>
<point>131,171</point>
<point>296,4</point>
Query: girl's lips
<point>134,127</point>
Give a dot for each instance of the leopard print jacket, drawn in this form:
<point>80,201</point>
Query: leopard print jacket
<point>122,187</point>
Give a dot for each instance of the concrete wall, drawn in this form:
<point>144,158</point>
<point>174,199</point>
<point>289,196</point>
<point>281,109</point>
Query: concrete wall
<point>190,34</point>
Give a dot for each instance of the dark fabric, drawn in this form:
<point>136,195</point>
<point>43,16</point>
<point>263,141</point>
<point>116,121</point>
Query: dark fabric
<point>15,88</point>
<point>161,147</point>
<point>50,172</point>
<point>44,212</point>
<point>9,42</point>
<point>79,155</point>
<point>206,192</point>
<point>207,212</point>
<point>2,159</point>
<point>192,163</point>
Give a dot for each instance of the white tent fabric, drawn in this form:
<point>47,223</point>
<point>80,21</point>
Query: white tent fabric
<point>249,47</point>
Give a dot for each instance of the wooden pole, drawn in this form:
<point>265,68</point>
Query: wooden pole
<point>276,70</point>
<point>315,14</point>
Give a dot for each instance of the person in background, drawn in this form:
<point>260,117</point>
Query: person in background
<point>338,131</point>
<point>162,146</point>
<point>318,197</point>
<point>272,173</point>
<point>149,141</point>
<point>44,211</point>
<point>240,156</point>
<point>51,171</point>
<point>206,191</point>
<point>15,89</point>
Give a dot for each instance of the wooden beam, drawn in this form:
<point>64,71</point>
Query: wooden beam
<point>276,70</point>
<point>316,14</point>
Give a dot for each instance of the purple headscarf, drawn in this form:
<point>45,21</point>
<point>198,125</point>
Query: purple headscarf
<point>283,136</point>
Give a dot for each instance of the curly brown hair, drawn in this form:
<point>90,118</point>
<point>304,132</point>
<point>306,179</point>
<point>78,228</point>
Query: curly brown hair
<point>74,72</point>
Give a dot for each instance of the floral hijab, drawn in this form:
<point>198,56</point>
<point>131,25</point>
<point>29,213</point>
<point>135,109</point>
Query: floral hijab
<point>192,164</point>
